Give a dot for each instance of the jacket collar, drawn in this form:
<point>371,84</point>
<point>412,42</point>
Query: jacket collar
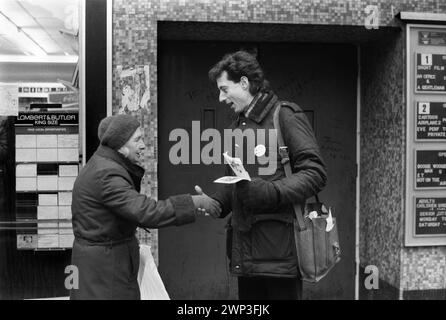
<point>135,171</point>
<point>261,105</point>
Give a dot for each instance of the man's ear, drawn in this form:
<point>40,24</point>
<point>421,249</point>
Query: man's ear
<point>244,82</point>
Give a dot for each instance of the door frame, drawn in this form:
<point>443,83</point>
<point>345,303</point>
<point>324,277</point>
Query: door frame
<point>358,146</point>
<point>358,169</point>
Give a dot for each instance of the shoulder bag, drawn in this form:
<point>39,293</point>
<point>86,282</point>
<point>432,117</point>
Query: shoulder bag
<point>315,229</point>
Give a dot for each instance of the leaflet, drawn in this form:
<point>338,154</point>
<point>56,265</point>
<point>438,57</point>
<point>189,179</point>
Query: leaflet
<point>66,240</point>
<point>68,155</point>
<point>25,155</point>
<point>47,240</point>
<point>26,170</point>
<point>65,198</point>
<point>68,170</point>
<point>47,228</point>
<point>67,140</point>
<point>25,141</point>
<point>238,169</point>
<point>25,184</point>
<point>47,212</point>
<point>47,199</point>
<point>66,183</point>
<point>65,212</point>
<point>47,141</point>
<point>46,155</point>
<point>46,183</point>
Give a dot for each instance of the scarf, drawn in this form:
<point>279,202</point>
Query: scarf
<point>135,171</point>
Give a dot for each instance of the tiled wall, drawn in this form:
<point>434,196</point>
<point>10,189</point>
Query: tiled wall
<point>135,43</point>
<point>423,268</point>
<point>383,176</point>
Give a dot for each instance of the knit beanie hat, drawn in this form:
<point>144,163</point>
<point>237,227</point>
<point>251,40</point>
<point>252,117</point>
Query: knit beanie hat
<point>119,130</point>
<point>103,125</point>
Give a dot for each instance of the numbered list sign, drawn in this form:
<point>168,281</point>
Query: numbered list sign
<point>431,121</point>
<point>431,72</point>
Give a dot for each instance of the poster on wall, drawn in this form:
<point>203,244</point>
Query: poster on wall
<point>134,89</point>
<point>9,100</point>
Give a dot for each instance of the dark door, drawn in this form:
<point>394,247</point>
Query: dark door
<point>321,78</point>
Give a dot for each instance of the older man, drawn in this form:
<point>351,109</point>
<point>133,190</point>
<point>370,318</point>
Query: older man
<point>107,207</point>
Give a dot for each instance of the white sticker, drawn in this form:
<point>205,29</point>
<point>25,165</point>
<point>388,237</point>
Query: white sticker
<point>423,108</point>
<point>426,59</point>
<point>259,150</point>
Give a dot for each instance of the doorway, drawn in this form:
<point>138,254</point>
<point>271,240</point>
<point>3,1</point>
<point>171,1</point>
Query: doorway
<point>319,77</point>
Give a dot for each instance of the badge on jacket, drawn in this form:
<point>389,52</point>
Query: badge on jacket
<point>259,150</point>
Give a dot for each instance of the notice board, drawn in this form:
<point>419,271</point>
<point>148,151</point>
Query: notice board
<point>46,165</point>
<point>425,210</point>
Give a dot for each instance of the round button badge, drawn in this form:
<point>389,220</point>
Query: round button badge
<point>259,150</point>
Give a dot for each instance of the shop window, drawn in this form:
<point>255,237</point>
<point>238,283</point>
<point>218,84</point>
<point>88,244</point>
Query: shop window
<point>40,127</point>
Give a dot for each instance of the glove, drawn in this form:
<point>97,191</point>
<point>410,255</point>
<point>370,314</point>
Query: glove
<point>206,205</point>
<point>257,194</point>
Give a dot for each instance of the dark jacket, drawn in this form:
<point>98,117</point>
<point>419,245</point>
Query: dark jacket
<point>107,207</point>
<point>261,243</point>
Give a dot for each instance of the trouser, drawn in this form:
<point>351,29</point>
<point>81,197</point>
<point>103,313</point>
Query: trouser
<point>268,288</point>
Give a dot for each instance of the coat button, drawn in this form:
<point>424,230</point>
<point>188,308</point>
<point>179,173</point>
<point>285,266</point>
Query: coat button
<point>237,267</point>
<point>243,123</point>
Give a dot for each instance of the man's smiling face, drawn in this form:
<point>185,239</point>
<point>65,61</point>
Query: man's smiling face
<point>235,94</point>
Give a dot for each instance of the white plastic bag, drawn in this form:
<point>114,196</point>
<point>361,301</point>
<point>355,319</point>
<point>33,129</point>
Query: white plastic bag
<point>150,284</point>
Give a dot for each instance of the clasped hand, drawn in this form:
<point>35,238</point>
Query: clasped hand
<point>205,205</point>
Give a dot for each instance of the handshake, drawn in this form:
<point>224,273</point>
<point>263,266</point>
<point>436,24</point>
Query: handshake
<point>205,205</point>
<point>257,195</point>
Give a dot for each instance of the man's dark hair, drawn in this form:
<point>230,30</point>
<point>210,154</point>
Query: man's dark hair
<point>237,65</point>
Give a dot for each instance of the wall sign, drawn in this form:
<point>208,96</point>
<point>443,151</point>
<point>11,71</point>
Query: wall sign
<point>425,194</point>
<point>430,72</point>
<point>430,169</point>
<point>430,216</point>
<point>432,38</point>
<point>431,121</point>
<point>47,164</point>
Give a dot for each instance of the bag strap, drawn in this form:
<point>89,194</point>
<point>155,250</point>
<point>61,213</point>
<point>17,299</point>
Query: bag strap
<point>285,160</point>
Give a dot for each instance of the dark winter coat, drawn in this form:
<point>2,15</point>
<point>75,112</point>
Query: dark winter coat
<point>261,243</point>
<point>107,207</point>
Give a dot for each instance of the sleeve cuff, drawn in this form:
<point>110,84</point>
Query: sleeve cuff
<point>220,198</point>
<point>184,208</point>
<point>278,187</point>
